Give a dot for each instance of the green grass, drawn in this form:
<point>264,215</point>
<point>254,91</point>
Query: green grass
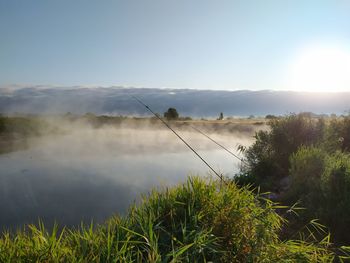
<point>199,221</point>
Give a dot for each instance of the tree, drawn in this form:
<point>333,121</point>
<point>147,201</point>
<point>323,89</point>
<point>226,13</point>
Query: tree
<point>221,116</point>
<point>171,114</point>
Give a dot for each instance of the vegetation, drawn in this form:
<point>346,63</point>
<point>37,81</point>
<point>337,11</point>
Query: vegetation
<point>268,157</point>
<point>306,160</point>
<point>22,126</point>
<point>322,182</point>
<point>15,131</point>
<point>270,116</point>
<point>301,159</point>
<point>221,116</point>
<point>199,221</point>
<point>171,114</point>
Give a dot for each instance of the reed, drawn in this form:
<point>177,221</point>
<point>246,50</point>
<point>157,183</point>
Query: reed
<point>201,220</point>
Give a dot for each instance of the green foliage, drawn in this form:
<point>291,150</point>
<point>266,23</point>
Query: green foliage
<point>336,190</point>
<point>268,157</point>
<point>199,221</point>
<point>338,135</point>
<point>307,166</point>
<point>321,181</point>
<point>171,114</point>
<point>305,159</point>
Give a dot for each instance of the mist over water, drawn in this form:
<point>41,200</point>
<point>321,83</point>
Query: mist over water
<point>90,174</point>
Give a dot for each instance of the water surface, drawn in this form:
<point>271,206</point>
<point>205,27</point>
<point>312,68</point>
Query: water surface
<point>91,174</point>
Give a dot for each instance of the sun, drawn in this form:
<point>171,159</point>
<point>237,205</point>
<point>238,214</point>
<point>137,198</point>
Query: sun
<point>320,68</point>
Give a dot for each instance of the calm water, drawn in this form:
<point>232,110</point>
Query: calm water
<point>93,174</point>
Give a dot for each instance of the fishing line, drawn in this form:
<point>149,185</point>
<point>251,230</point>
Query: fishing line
<point>223,147</point>
<point>189,146</point>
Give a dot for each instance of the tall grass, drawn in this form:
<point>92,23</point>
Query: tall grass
<point>199,221</point>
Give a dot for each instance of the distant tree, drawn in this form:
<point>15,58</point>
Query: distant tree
<point>90,115</point>
<point>270,116</point>
<point>68,116</point>
<point>171,114</point>
<point>307,114</point>
<point>2,123</point>
<point>221,116</point>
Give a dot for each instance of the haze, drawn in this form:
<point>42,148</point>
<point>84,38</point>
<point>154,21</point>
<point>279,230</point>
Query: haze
<point>88,174</point>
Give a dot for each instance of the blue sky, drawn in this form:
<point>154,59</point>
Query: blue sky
<point>203,44</point>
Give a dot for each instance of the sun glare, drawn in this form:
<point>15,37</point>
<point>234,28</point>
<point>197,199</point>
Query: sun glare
<point>321,69</point>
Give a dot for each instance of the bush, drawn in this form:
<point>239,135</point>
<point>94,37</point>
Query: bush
<point>338,135</point>
<point>306,160</point>
<point>321,181</point>
<point>307,167</point>
<point>268,157</point>
<point>336,190</point>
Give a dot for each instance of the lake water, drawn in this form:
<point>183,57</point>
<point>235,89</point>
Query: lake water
<point>91,174</point>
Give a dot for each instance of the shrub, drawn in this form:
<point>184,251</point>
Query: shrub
<point>338,135</point>
<point>321,181</point>
<point>303,159</point>
<point>336,190</point>
<point>307,167</point>
<point>268,157</point>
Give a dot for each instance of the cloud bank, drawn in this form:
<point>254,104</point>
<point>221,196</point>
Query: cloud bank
<point>196,103</point>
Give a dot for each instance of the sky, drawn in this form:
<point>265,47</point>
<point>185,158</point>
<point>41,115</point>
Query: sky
<point>204,44</point>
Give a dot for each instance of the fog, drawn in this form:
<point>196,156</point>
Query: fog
<point>90,173</point>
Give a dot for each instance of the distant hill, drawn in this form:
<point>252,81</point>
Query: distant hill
<point>197,103</point>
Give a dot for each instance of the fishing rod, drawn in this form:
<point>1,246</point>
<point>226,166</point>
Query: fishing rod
<point>223,147</point>
<point>189,146</point>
